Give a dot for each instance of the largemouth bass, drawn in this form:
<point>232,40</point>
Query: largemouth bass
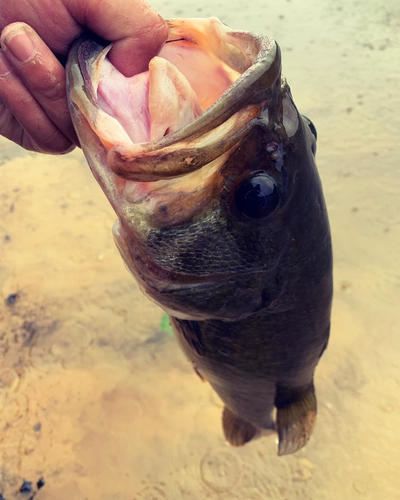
<point>221,217</point>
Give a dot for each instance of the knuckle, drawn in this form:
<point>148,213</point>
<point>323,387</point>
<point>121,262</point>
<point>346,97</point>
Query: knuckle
<point>55,143</point>
<point>7,123</point>
<point>44,78</point>
<point>26,142</point>
<point>160,33</point>
<point>154,31</point>
<point>159,27</point>
<point>23,102</point>
<point>50,87</point>
<point>3,111</point>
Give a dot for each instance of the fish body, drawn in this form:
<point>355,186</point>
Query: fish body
<point>221,215</point>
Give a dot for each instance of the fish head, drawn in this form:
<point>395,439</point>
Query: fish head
<point>207,164</point>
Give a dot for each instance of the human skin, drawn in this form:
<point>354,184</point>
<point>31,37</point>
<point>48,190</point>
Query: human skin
<point>35,34</point>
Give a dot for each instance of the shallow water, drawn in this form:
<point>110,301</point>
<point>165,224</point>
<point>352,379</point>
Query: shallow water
<point>95,396</point>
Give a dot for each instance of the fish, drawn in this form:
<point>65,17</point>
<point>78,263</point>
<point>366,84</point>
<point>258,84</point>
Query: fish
<point>211,171</point>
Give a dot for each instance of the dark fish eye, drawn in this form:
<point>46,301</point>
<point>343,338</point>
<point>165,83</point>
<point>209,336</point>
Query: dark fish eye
<point>311,126</point>
<point>258,196</point>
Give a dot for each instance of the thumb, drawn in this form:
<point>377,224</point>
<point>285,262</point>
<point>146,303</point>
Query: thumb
<point>137,31</point>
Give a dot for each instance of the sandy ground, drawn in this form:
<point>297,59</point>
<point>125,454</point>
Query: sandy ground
<point>97,399</point>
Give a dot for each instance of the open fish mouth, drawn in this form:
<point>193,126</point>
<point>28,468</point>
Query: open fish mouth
<point>162,145</point>
<point>198,100</point>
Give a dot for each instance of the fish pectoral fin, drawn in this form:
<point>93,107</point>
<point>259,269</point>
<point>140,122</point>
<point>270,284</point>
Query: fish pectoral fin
<point>295,420</point>
<point>237,431</point>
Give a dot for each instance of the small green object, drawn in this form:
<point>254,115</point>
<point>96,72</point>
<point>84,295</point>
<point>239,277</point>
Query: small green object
<point>165,325</point>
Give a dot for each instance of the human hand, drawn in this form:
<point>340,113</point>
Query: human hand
<point>33,104</point>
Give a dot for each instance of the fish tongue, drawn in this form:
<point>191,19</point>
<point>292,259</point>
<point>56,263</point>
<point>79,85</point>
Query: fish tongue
<point>126,100</point>
<point>172,101</point>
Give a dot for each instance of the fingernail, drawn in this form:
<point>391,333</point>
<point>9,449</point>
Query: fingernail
<point>20,44</point>
<point>5,65</point>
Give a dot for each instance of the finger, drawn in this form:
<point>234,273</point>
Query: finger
<point>12,130</point>
<point>41,73</point>
<point>28,113</point>
<point>137,30</point>
<point>49,18</point>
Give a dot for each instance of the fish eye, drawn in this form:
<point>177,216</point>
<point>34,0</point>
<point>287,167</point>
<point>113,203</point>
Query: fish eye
<point>258,196</point>
<point>311,126</point>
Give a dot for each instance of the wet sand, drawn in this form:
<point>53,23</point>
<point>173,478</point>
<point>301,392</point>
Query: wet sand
<point>95,396</point>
